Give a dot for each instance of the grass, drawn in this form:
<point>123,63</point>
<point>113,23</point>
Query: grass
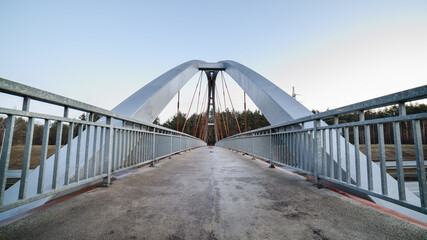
<point>408,151</point>
<point>17,155</point>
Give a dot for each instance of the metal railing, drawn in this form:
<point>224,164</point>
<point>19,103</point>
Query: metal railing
<point>324,151</point>
<point>94,150</point>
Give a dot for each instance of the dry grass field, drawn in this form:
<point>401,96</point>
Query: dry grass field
<point>408,151</point>
<point>17,156</point>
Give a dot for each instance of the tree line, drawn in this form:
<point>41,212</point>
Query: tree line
<point>195,123</point>
<point>406,131</point>
<point>255,119</point>
<point>20,131</point>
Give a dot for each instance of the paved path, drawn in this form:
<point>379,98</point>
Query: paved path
<point>211,193</point>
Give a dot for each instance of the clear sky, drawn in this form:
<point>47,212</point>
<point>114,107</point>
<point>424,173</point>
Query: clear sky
<point>334,52</point>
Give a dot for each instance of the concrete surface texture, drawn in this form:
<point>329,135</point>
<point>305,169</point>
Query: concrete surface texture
<point>211,193</point>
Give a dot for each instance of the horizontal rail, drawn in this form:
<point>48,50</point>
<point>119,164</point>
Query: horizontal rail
<point>18,89</point>
<point>332,152</point>
<point>392,99</point>
<point>85,150</point>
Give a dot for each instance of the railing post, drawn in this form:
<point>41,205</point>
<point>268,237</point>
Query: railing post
<point>170,155</point>
<point>108,156</point>
<point>253,150</point>
<point>317,153</point>
<point>180,146</point>
<point>154,147</point>
<point>271,151</point>
<point>5,154</point>
<point>419,155</point>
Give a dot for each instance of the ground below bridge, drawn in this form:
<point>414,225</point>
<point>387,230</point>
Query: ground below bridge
<point>210,193</point>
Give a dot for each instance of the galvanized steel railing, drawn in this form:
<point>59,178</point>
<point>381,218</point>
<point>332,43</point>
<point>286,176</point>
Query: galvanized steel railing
<point>325,152</point>
<point>101,148</point>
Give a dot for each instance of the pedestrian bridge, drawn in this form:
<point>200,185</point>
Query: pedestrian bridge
<point>124,139</point>
<point>211,193</point>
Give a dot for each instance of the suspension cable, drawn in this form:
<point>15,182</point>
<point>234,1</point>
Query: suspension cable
<point>194,94</point>
<point>205,125</point>
<point>217,125</point>
<point>225,105</point>
<point>235,116</point>
<point>221,112</point>
<point>198,100</point>
<point>201,112</point>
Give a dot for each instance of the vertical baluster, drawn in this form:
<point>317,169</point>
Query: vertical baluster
<point>27,158</point>
<point>108,150</point>
<point>126,158</point>
<point>171,148</point>
<point>113,156</point>
<point>87,146</point>
<point>26,104</point>
<point>419,154</point>
<point>338,139</point>
<point>123,149</point>
<point>130,150</point>
<point>95,151</point>
<point>304,152</point>
<point>287,148</point>
<point>301,160</point>
<point>331,154</point>
<point>43,156</point>
<point>310,152</point>
<point>324,157</point>
<point>347,156</point>
<point>57,152</point>
<point>154,144</point>
<point>5,154</point>
<point>119,149</point>
<point>146,146</point>
<point>79,145</point>
<point>357,154</point>
<point>295,150</point>
<point>399,164</point>
<point>382,159</point>
<point>68,157</point>
<point>135,152</point>
<point>133,147</point>
<point>368,152</point>
<point>141,151</point>
<point>317,153</point>
<point>282,147</point>
<point>402,109</point>
<point>276,148</point>
<point>101,150</point>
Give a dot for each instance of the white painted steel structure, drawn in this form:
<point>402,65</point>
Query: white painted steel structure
<point>110,145</point>
<point>120,138</point>
<point>324,151</point>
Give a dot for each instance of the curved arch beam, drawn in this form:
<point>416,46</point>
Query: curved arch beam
<point>149,101</point>
<point>276,105</point>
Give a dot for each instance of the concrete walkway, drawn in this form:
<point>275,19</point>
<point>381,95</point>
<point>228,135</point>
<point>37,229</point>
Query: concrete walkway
<point>211,193</point>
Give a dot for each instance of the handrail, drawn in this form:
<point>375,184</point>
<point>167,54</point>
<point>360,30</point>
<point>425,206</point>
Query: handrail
<point>22,90</point>
<point>324,151</point>
<point>387,100</point>
<point>99,150</point>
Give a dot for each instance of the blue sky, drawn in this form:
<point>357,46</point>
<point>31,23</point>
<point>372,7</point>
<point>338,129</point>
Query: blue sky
<point>334,52</point>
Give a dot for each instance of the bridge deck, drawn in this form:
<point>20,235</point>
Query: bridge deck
<point>211,193</point>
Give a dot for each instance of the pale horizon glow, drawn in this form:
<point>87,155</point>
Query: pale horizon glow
<point>334,53</point>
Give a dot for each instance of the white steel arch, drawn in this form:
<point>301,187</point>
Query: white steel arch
<point>149,101</point>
